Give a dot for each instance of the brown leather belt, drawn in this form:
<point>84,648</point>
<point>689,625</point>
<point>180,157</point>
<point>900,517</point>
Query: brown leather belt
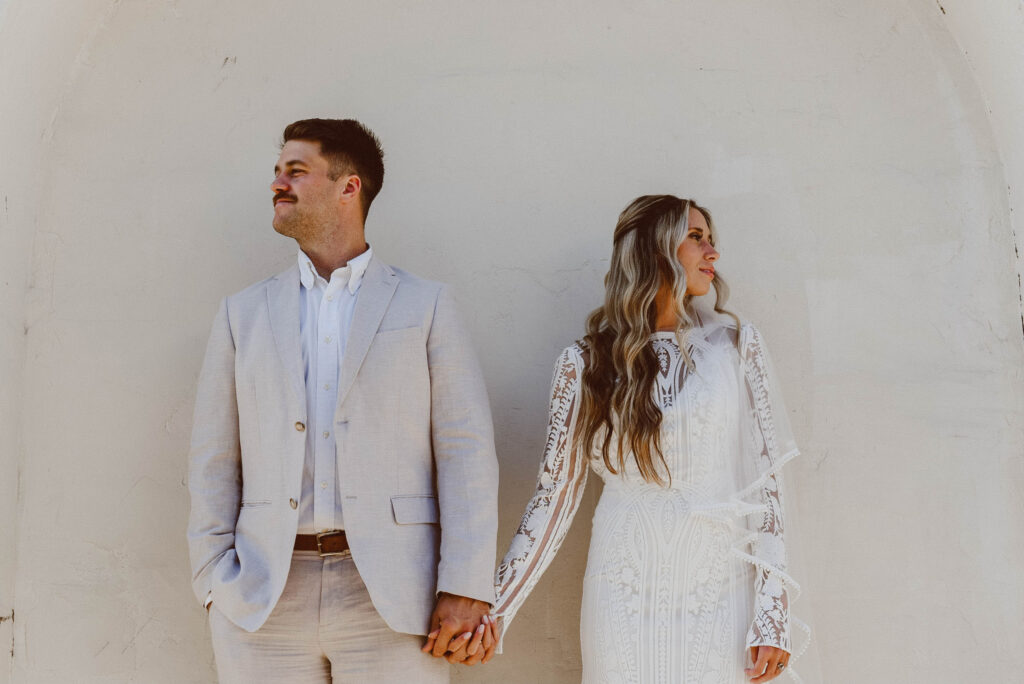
<point>326,543</point>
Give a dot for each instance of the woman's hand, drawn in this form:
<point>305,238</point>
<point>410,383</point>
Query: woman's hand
<point>769,663</point>
<point>493,636</point>
<point>481,647</point>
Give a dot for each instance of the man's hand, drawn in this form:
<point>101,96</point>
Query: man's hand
<point>457,620</point>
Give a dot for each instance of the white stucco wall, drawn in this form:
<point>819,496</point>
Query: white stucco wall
<point>991,37</point>
<point>38,50</point>
<point>857,162</point>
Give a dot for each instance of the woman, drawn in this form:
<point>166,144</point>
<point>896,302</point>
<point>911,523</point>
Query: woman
<point>674,407</point>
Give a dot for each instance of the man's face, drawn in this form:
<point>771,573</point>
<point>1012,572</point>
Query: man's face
<point>306,201</point>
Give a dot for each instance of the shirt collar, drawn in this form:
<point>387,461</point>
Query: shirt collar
<point>350,275</point>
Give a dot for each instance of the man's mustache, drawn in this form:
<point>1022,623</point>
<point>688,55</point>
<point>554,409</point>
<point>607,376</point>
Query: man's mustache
<point>285,196</point>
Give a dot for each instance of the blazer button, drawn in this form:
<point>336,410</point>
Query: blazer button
<point>293,503</point>
<point>300,426</point>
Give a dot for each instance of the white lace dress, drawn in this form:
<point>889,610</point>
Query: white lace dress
<point>681,579</point>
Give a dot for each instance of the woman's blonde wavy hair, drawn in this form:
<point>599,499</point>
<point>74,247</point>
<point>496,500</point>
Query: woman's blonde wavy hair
<point>617,390</point>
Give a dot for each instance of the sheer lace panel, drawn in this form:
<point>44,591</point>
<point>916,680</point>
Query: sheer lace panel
<point>771,610</point>
<point>560,484</point>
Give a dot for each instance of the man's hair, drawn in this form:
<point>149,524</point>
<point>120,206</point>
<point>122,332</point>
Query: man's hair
<point>349,147</point>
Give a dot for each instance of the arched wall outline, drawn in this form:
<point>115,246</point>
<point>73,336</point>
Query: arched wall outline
<point>990,37</point>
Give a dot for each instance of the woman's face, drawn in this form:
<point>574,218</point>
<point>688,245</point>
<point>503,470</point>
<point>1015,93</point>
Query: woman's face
<point>697,256</point>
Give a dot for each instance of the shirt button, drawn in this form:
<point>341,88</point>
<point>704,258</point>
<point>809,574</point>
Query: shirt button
<point>293,503</point>
<point>323,485</point>
<point>327,340</point>
<point>326,434</point>
<point>327,387</point>
<point>300,426</point>
<point>330,298</point>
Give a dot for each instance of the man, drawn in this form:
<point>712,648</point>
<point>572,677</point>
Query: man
<point>342,467</point>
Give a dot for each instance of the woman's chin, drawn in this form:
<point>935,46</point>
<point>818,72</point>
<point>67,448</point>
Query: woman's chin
<point>698,291</point>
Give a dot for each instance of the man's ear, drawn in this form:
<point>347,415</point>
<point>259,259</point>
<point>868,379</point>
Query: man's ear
<point>353,184</point>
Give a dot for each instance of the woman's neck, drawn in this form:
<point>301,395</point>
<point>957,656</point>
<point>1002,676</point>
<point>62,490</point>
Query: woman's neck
<point>665,319</point>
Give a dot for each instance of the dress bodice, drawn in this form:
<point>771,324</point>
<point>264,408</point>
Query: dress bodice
<point>699,404</point>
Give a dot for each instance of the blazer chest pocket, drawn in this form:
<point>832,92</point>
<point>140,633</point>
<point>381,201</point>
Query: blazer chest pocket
<point>413,509</point>
<point>399,337</point>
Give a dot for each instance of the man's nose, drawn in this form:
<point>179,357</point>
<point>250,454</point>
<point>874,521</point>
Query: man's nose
<point>279,184</point>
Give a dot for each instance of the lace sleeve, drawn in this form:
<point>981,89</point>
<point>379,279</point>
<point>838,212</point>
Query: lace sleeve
<point>560,483</point>
<point>771,607</point>
<point>772,446</point>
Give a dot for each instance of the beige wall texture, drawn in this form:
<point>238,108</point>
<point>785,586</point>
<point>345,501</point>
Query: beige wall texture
<point>863,161</point>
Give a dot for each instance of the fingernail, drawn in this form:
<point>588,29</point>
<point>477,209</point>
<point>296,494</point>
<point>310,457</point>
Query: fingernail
<point>433,635</point>
<point>480,629</point>
<point>467,635</point>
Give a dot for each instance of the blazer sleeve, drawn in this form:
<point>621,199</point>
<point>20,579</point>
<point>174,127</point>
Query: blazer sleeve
<point>214,461</point>
<point>462,437</point>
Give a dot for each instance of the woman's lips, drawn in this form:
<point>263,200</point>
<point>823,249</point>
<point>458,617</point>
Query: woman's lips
<point>710,272</point>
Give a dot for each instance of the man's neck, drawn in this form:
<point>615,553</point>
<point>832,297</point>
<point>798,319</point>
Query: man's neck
<point>331,254</point>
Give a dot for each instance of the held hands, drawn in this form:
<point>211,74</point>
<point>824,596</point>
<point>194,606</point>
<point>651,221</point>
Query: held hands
<point>461,630</point>
<point>477,646</point>
<point>769,663</point>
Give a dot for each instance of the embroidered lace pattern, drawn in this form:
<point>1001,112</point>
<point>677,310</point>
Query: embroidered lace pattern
<point>771,617</point>
<point>560,484</point>
<point>680,579</point>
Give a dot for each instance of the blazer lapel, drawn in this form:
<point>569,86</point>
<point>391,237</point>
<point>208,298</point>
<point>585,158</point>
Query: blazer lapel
<point>375,292</point>
<point>283,302</point>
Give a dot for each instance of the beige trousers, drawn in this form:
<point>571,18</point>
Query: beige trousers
<point>324,629</point>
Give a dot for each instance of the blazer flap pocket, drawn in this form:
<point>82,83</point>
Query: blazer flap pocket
<point>415,508</point>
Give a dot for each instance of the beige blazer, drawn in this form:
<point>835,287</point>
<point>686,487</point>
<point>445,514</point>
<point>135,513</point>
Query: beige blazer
<point>417,471</point>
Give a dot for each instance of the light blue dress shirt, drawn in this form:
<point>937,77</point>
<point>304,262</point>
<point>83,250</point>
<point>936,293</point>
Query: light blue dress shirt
<point>325,317</point>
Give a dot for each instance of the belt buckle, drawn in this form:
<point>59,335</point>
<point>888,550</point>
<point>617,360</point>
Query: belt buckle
<point>320,548</point>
